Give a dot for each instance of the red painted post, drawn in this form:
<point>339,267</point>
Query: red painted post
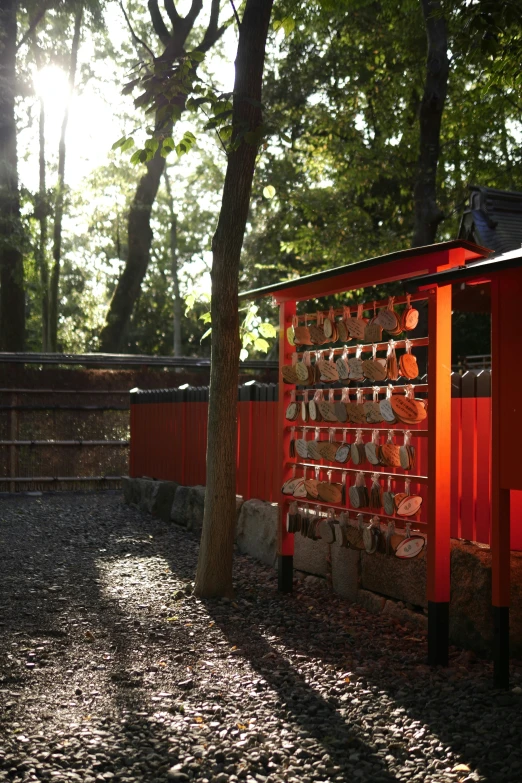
<point>286,540</point>
<point>439,472</point>
<point>506,377</point>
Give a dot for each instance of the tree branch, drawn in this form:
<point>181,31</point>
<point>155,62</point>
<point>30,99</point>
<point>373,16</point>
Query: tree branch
<point>158,23</point>
<point>133,34</point>
<point>212,33</point>
<point>33,24</point>
<point>173,15</point>
<point>236,14</point>
<point>195,10</point>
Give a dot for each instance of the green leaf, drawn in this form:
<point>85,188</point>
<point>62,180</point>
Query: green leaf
<point>127,144</point>
<point>136,157</point>
<point>197,56</point>
<point>206,334</point>
<point>254,137</point>
<point>267,330</point>
<point>119,143</point>
<point>261,345</point>
<point>205,317</point>
<point>243,355</point>
<point>130,86</point>
<point>226,132</point>
<point>168,143</point>
<point>152,145</point>
<point>269,191</point>
<point>143,156</point>
<point>288,25</point>
<point>189,303</point>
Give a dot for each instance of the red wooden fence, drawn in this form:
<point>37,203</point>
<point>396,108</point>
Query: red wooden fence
<point>169,430</point>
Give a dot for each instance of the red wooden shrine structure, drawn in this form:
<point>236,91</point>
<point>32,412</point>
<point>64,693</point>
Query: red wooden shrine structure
<point>453,475</point>
<point>437,266</point>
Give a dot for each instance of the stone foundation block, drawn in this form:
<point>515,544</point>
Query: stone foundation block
<point>256,530</point>
<point>130,490</point>
<point>187,507</point>
<point>346,572</point>
<point>163,498</point>
<point>404,580</point>
<point>311,556</point>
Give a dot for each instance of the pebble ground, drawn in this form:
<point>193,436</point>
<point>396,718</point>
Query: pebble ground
<point>110,670</point>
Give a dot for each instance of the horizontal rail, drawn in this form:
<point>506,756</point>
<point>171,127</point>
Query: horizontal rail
<point>353,308</point>
<point>78,442</point>
<point>64,391</point>
<point>418,387</point>
<point>384,473</point>
<point>355,428</point>
<point>49,479</point>
<point>403,520</point>
<point>416,342</point>
<point>127,360</point>
<point>64,407</point>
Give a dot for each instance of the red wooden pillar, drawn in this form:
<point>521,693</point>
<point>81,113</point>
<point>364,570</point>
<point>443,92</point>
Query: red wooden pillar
<point>506,377</point>
<point>286,540</point>
<point>439,473</point>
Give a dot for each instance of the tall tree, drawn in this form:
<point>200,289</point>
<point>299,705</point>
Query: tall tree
<point>12,298</point>
<point>428,215</point>
<point>173,235</point>
<point>214,571</point>
<point>60,190</point>
<point>114,333</point>
<point>41,213</point>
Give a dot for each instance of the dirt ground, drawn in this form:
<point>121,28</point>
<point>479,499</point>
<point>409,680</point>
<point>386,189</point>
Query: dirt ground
<point>110,670</point>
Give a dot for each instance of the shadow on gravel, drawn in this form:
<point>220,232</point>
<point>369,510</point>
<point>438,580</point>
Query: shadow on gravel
<point>51,591</point>
<point>448,702</point>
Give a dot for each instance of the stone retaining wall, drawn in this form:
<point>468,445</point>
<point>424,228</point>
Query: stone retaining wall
<point>378,582</point>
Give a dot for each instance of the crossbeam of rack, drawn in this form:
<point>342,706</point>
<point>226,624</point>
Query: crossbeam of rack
<point>383,473</point>
<point>416,342</point>
<point>355,428</point>
<point>367,306</point>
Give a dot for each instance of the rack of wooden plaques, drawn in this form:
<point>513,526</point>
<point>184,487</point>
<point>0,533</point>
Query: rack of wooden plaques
<point>431,475</point>
<point>300,426</point>
<point>416,482</point>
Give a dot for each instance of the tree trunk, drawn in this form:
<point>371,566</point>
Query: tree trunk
<point>41,214</point>
<point>214,571</point>
<point>427,214</point>
<point>113,337</point>
<point>177,307</point>
<point>60,188</point>
<point>41,251</point>
<point>12,298</point>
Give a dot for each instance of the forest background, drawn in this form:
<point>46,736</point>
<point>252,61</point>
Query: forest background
<point>101,249</point>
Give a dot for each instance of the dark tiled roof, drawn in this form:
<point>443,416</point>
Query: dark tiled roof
<point>493,219</point>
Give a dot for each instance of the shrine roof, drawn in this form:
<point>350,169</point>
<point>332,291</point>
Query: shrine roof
<point>386,268</point>
<point>476,270</point>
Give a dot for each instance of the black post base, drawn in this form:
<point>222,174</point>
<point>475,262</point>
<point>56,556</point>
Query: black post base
<point>285,573</point>
<point>501,646</point>
<point>438,633</point>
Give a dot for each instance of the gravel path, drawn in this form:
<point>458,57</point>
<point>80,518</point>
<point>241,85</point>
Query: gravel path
<point>110,670</point>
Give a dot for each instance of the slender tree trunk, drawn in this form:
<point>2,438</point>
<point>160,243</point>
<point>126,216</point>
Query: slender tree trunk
<point>12,298</point>
<point>214,571</point>
<point>113,337</point>
<point>427,214</point>
<point>41,213</point>
<point>42,244</point>
<point>60,190</point>
<point>177,307</point>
